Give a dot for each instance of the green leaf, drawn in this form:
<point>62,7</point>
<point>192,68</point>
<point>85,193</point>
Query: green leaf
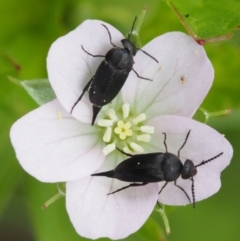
<point>53,222</point>
<point>39,89</point>
<point>208,20</point>
<point>10,172</point>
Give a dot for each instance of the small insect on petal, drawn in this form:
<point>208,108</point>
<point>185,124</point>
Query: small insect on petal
<point>112,77</point>
<point>148,168</point>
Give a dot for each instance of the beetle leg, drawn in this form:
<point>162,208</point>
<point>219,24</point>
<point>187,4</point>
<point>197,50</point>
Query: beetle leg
<point>159,205</point>
<point>163,187</point>
<point>164,141</point>
<point>109,34</point>
<point>125,153</point>
<point>130,185</point>
<point>140,77</point>
<point>84,90</point>
<point>175,183</point>
<point>92,54</point>
<point>183,143</point>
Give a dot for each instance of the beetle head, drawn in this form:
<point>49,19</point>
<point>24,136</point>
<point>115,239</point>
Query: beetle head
<point>189,170</point>
<point>127,44</point>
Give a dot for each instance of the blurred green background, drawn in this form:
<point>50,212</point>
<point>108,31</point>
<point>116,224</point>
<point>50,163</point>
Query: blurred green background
<point>27,29</point>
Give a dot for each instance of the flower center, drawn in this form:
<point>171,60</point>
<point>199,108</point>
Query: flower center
<point>123,130</point>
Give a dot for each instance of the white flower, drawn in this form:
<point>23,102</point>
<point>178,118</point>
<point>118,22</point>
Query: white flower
<point>54,146</point>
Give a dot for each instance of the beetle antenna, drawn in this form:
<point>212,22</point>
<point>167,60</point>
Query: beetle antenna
<point>193,192</point>
<point>91,54</point>
<point>109,34</point>
<point>204,162</point>
<point>134,21</point>
<point>183,143</point>
<point>129,36</point>
<point>164,141</point>
<point>149,55</point>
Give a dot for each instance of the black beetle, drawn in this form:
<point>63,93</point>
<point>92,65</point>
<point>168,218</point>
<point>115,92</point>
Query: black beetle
<point>111,73</point>
<point>155,167</point>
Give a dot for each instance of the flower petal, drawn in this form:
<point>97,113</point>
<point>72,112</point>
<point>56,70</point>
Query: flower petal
<point>95,214</point>
<point>203,143</point>
<point>181,79</point>
<point>53,147</point>
<point>70,68</point>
